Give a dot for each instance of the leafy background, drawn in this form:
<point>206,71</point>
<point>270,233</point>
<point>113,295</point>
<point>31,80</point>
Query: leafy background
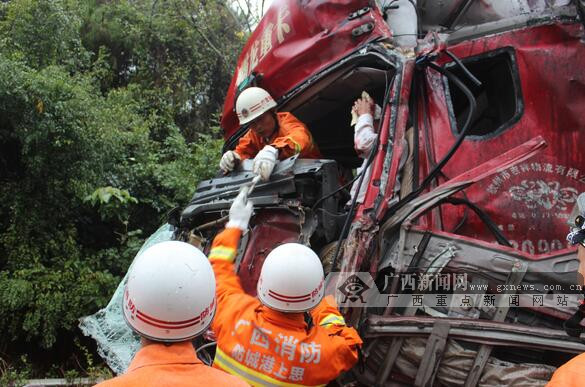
<point>108,119</point>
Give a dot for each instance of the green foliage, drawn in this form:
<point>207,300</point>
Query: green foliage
<point>44,33</point>
<point>112,203</point>
<point>89,369</point>
<point>180,166</point>
<point>15,375</point>
<point>94,371</point>
<point>38,303</point>
<point>108,119</point>
<point>180,53</point>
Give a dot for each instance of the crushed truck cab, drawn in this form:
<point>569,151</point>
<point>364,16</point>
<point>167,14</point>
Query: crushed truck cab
<point>477,165</point>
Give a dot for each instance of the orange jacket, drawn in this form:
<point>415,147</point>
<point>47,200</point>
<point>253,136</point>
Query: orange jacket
<point>569,374</point>
<point>292,137</point>
<point>267,347</point>
<point>173,365</point>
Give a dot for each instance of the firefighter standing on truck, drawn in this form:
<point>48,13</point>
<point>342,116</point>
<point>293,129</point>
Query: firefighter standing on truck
<point>267,340</point>
<point>573,372</point>
<point>272,136</point>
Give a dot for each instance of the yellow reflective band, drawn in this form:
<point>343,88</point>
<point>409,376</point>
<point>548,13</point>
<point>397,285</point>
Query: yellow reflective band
<point>332,319</point>
<point>296,144</point>
<point>220,252</point>
<point>255,378</point>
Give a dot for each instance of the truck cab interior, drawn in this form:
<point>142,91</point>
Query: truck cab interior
<point>325,106</point>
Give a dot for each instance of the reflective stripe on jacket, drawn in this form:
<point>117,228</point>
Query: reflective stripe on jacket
<point>171,365</point>
<point>570,374</point>
<point>291,138</point>
<point>266,347</point>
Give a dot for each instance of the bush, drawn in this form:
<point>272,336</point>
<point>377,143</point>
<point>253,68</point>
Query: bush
<point>75,152</point>
<point>108,119</point>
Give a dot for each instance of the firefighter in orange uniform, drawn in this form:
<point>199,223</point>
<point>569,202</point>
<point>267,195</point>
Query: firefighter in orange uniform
<point>273,136</point>
<point>572,373</point>
<point>168,306</point>
<point>267,340</point>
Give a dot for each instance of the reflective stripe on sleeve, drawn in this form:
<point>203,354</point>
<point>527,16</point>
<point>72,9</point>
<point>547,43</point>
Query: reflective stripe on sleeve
<point>298,147</point>
<point>332,319</point>
<point>253,377</point>
<point>222,252</point>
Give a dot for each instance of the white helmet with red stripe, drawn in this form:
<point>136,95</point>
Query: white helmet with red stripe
<point>252,103</point>
<point>291,279</point>
<point>170,293</point>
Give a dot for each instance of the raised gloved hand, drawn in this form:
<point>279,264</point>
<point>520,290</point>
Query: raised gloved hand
<point>240,211</point>
<point>228,161</point>
<point>265,161</point>
<point>365,104</point>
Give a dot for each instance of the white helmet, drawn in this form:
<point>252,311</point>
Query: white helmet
<point>291,279</point>
<point>170,293</point>
<point>252,103</point>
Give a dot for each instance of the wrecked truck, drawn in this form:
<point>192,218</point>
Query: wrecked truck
<point>475,171</point>
<point>476,168</point>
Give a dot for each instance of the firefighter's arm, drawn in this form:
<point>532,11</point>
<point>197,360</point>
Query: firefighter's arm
<point>222,254</point>
<point>347,340</point>
<point>228,289</point>
<point>327,316</point>
<point>225,245</point>
<point>326,313</point>
<point>569,374</point>
<point>295,138</point>
<point>247,147</point>
<point>565,378</point>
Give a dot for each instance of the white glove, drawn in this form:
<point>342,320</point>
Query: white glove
<point>377,113</point>
<point>240,211</point>
<point>228,161</point>
<point>265,161</point>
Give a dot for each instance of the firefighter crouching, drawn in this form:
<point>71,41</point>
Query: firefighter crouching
<point>169,299</point>
<point>267,340</point>
<point>272,136</point>
<point>572,373</point>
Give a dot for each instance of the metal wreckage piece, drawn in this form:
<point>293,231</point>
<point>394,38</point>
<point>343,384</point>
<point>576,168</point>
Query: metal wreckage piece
<point>284,212</point>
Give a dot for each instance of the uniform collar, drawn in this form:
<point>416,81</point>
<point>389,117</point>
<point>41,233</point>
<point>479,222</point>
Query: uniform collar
<point>159,354</point>
<point>285,320</point>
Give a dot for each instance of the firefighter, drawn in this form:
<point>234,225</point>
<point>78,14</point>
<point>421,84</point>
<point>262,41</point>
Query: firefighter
<point>273,136</point>
<point>573,372</point>
<point>169,298</point>
<point>290,335</point>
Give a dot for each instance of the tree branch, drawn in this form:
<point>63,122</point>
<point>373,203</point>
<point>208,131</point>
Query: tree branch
<point>207,40</point>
